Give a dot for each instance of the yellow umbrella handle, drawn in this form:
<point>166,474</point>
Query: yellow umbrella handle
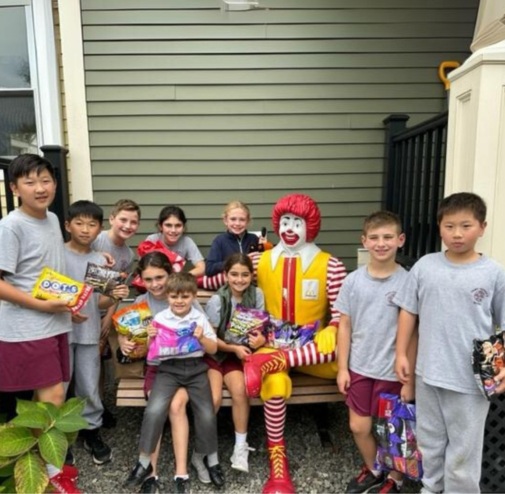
<point>444,68</point>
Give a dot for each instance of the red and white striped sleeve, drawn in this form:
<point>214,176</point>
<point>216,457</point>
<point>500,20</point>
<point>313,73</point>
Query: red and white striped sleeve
<point>334,279</point>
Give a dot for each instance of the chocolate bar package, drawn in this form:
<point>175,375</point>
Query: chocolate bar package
<point>488,359</point>
<point>102,279</point>
<point>285,335</point>
<point>52,285</point>
<point>243,322</point>
<point>395,431</point>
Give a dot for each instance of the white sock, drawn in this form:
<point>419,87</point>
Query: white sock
<point>52,471</point>
<point>212,459</point>
<point>184,477</point>
<point>398,482</point>
<point>240,438</point>
<point>376,473</point>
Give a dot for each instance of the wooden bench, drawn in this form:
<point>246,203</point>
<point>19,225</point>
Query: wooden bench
<point>306,389</point>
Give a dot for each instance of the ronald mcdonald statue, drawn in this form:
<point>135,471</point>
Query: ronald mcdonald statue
<point>301,284</point>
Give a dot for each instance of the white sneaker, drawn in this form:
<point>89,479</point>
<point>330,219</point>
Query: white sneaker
<point>240,456</point>
<point>201,469</point>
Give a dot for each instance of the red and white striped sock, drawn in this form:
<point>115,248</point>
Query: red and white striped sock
<point>308,355</point>
<point>275,418</point>
<point>212,282</point>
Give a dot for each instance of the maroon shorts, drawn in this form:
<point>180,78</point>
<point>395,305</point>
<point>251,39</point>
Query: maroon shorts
<point>229,364</point>
<point>363,394</point>
<point>32,365</point>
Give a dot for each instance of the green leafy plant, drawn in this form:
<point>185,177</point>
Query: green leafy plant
<point>40,434</point>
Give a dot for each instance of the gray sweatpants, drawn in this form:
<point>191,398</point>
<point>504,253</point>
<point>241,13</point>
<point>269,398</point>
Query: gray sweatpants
<point>450,435</point>
<point>85,367</point>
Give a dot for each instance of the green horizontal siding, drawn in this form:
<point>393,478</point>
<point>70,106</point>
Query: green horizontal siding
<point>195,106</point>
<point>275,16</point>
<point>386,45</point>
<point>226,169</point>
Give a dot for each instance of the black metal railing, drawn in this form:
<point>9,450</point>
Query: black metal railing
<point>414,179</point>
<point>57,155</point>
<point>6,195</point>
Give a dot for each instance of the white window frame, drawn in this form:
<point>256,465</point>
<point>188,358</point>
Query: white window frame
<point>43,69</point>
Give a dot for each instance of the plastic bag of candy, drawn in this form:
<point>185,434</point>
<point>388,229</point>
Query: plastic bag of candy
<point>172,341</point>
<point>52,285</point>
<point>102,279</point>
<point>488,358</point>
<point>395,431</point>
<point>285,335</point>
<point>133,321</point>
<point>243,322</point>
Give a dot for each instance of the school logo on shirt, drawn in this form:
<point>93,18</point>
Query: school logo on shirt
<point>389,298</point>
<point>310,289</point>
<point>478,295</point>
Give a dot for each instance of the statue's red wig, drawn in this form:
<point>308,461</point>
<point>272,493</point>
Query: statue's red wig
<point>299,205</point>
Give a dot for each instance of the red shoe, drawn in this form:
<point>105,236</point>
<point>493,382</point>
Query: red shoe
<point>279,481</point>
<point>258,365</point>
<point>70,471</point>
<point>63,485</point>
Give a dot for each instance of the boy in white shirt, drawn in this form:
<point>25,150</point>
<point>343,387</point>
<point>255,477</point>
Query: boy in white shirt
<point>183,370</point>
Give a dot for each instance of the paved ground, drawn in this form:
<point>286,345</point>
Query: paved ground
<point>314,469</point>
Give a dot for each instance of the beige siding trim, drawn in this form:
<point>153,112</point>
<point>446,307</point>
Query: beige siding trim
<point>75,100</point>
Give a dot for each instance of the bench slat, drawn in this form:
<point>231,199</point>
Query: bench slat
<point>306,389</point>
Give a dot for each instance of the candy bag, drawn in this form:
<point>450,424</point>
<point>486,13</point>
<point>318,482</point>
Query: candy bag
<point>488,358</point>
<point>244,321</point>
<point>132,321</point>
<point>171,341</point>
<point>395,430</point>
<point>102,279</point>
<point>285,335</point>
<point>51,285</point>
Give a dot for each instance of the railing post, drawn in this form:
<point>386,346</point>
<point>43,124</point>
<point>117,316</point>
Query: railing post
<point>394,123</point>
<point>57,155</point>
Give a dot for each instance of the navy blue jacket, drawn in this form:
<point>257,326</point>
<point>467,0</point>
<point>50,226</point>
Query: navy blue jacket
<point>224,245</point>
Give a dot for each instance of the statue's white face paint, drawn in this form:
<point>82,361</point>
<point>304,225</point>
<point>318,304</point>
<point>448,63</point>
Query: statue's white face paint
<point>293,232</point>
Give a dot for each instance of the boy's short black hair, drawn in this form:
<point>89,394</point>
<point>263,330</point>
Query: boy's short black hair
<point>381,218</point>
<point>85,209</point>
<point>463,201</point>
<point>24,164</point>
<point>181,283</point>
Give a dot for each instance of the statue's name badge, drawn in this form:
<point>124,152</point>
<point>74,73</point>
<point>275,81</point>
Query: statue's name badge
<point>310,289</point>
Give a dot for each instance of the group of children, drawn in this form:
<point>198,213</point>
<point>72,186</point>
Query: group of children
<point>404,333</point>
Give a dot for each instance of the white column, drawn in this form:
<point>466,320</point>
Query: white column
<point>79,158</point>
<point>476,139</point>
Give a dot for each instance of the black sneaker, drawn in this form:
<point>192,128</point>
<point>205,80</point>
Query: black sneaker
<point>138,475</point>
<point>181,485</point>
<point>93,444</point>
<point>389,485</point>
<point>364,481</point>
<point>150,486</point>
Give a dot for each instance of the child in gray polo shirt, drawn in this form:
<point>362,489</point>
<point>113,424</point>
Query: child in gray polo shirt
<point>455,296</point>
<point>366,343</point>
